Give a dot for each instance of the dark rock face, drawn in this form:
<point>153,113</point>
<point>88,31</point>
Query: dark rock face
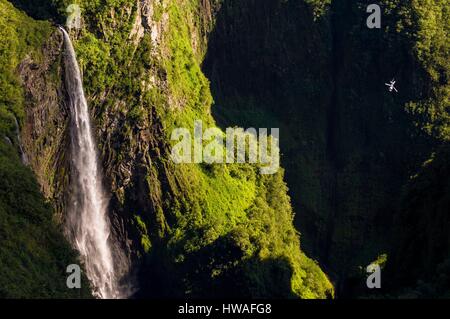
<point>185,229</point>
<point>420,259</point>
<point>45,138</point>
<point>349,147</point>
<point>138,180</point>
<point>34,254</point>
<point>45,132</point>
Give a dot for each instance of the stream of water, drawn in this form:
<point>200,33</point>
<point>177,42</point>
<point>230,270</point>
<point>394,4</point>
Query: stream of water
<point>88,225</point>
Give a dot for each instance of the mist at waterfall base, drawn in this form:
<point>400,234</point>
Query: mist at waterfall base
<point>87,223</point>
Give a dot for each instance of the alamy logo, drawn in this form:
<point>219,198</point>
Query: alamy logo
<point>374,19</point>
<point>374,279</point>
<point>74,279</point>
<point>74,18</point>
<point>249,146</point>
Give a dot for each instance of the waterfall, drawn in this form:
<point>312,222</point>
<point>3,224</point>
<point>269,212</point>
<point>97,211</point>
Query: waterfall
<point>87,226</point>
<point>23,155</point>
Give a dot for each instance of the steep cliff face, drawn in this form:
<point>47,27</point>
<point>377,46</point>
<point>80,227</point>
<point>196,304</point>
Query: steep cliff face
<point>421,261</point>
<point>44,134</point>
<point>33,253</point>
<point>196,226</point>
<point>353,153</point>
<point>187,229</point>
<point>349,147</point>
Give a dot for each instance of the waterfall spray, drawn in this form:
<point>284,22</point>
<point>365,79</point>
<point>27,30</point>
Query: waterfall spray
<point>88,225</point>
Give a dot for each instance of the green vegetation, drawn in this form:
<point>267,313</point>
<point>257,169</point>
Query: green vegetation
<point>33,253</point>
<point>421,259</point>
<point>206,209</point>
<point>349,147</point>
<point>20,36</point>
<point>431,46</point>
<point>203,230</point>
<point>422,254</point>
<point>319,7</point>
<point>145,240</point>
<point>309,67</point>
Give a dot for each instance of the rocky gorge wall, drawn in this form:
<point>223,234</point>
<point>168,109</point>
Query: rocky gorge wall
<point>350,148</point>
<point>186,228</point>
<point>366,170</point>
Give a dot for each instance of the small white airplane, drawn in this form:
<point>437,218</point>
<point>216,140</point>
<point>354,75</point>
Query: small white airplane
<point>391,86</point>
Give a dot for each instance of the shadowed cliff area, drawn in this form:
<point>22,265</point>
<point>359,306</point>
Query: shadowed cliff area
<point>38,9</point>
<point>185,229</point>
<point>364,170</point>
<point>349,146</point>
<point>33,252</point>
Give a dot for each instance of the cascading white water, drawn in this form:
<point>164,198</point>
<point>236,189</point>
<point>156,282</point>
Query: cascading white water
<point>88,225</point>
